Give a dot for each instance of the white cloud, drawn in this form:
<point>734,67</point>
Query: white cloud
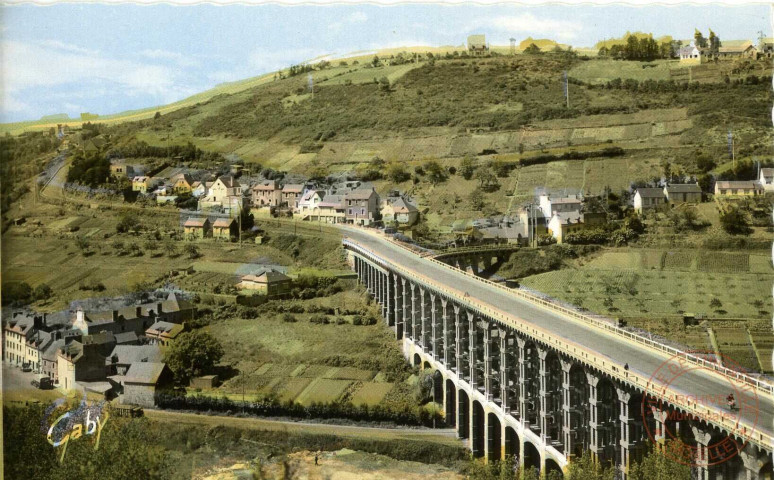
<point>67,47</point>
<point>528,24</point>
<point>179,58</point>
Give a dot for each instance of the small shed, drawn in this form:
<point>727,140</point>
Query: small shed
<point>225,228</point>
<point>143,381</point>
<point>268,282</point>
<point>206,381</point>
<point>196,228</point>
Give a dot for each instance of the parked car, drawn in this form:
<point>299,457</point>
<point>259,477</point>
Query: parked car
<point>26,368</point>
<point>42,382</point>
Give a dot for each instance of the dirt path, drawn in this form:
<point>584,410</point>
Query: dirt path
<point>445,436</point>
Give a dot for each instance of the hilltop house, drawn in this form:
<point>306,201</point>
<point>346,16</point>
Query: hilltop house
<point>683,193</point>
<point>225,229</point>
<point>197,228</point>
<point>477,45</point>
<point>691,55</point>
<point>362,206</point>
<point>731,51</point>
<point>646,198</point>
<point>766,179</point>
<point>745,188</point>
<point>267,194</point>
<point>553,205</point>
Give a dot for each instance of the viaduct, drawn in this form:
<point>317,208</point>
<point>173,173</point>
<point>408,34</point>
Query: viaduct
<point>523,378</point>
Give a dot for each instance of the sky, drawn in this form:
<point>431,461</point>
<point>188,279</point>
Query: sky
<point>74,58</point>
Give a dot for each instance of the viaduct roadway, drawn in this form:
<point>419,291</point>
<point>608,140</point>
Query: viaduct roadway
<point>642,360</point>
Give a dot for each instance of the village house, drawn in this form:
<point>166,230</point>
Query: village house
<point>200,188</point>
<point>225,192</point>
<point>477,45</point>
<point>16,332</point>
<point>127,338</point>
<point>509,230</point>
<point>140,184</point>
<point>766,48</point>
<point>362,206</point>
<point>161,333</point>
<point>291,195</point>
<point>197,228</point>
<point>225,229</point>
<point>182,184</point>
<point>82,362</point>
<point>49,364</point>
<point>330,209</point>
<point>647,198</point>
<point>267,282</point>
<point>743,188</point>
<point>552,205</point>
<point>562,223</point>
<point>143,381</point>
<point>123,356</point>
<point>136,318</point>
<point>400,210</point>
<point>309,202</point>
<point>691,55</point>
<point>766,179</point>
<point>683,193</point>
<point>120,169</point>
<point>267,194</point>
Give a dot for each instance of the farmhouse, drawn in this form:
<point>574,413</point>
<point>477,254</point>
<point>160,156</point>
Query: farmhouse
<point>161,333</point>
<point>691,55</point>
<point>477,45</point>
<point>746,188</point>
<point>362,206</point>
<point>766,179</point>
<point>225,229</point>
<point>683,193</point>
<point>225,192</point>
<point>143,381</point>
<point>267,282</point>
<point>562,223</point>
<point>119,169</point>
<point>766,48</point>
<point>568,204</point>
<point>197,228</point>
<point>267,194</point>
<point>648,198</point>
<point>743,50</point>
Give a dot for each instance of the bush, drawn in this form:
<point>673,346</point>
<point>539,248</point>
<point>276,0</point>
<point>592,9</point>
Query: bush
<point>289,318</point>
<point>17,293</point>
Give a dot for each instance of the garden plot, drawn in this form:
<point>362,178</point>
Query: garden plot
<point>323,390</point>
<point>682,261</point>
<point>724,262</point>
<point>371,393</point>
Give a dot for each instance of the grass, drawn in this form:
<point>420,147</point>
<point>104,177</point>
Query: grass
<point>601,71</point>
<point>683,284</point>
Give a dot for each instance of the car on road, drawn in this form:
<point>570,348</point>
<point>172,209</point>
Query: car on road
<point>43,382</point>
<point>26,368</point>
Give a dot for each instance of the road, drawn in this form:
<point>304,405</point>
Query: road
<point>446,436</point>
<point>641,359</point>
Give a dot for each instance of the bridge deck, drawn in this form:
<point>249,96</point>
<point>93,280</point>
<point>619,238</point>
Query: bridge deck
<point>642,360</point>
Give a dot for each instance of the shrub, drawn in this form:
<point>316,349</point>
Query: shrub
<point>289,318</point>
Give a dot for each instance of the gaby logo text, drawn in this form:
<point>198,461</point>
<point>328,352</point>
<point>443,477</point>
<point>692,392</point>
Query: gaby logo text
<point>72,425</point>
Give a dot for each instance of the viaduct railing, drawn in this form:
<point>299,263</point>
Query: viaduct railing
<point>581,353</point>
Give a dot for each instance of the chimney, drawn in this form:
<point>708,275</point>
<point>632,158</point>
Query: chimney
<point>139,311</point>
<point>79,317</point>
<point>45,319</point>
<point>115,315</point>
<point>159,309</point>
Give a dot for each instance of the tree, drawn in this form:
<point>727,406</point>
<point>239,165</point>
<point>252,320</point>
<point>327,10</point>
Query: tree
<point>375,61</point>
<point>468,167</point>
<point>128,221</point>
<point>698,39</point>
<point>532,49</point>
<point>83,244</point>
<point>476,199</point>
<point>157,116</point>
<point>170,248</point>
<point>657,465</point>
<point>191,250</point>
<point>487,180</point>
<point>42,292</point>
<point>397,173</point>
<point>16,293</point>
<point>384,84</point>
<point>192,354</point>
<point>246,219</point>
<point>735,222</point>
<point>435,172</point>
<point>585,468</point>
<point>714,42</point>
